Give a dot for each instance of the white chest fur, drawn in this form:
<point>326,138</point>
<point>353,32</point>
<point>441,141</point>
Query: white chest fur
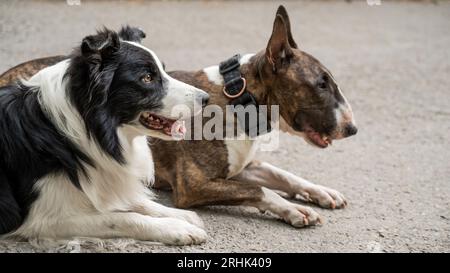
<point>240,153</point>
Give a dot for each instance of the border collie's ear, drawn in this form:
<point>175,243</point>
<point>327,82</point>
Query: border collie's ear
<point>132,34</point>
<point>100,46</point>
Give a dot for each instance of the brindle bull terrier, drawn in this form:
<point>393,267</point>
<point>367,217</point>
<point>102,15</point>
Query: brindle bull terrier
<point>224,172</point>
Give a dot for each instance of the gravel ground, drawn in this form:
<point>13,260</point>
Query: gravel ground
<point>392,62</point>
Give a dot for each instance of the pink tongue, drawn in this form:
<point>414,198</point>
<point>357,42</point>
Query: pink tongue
<point>182,129</point>
<point>178,129</point>
<point>316,138</point>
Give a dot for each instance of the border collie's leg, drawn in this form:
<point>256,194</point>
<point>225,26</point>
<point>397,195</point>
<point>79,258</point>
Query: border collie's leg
<point>10,216</point>
<point>232,192</point>
<point>151,208</point>
<point>130,225</point>
<point>267,175</point>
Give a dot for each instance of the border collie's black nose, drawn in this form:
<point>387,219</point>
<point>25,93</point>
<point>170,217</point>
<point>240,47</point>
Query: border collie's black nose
<point>350,130</point>
<point>204,97</point>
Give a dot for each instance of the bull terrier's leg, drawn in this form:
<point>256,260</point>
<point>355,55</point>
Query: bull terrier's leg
<point>267,175</point>
<point>232,192</point>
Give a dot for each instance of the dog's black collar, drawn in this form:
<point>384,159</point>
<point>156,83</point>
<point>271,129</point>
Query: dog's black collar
<point>235,88</point>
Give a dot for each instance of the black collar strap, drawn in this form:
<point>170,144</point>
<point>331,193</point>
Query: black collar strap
<point>235,88</point>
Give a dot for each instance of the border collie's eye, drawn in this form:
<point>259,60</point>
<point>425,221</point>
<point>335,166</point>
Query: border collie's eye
<point>147,78</point>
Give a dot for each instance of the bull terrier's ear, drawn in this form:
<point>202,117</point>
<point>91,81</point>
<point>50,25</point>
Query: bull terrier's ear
<point>100,46</point>
<point>132,34</point>
<point>283,12</point>
<point>278,49</point>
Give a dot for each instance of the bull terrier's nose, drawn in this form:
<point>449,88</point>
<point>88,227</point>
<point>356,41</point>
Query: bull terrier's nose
<point>350,130</point>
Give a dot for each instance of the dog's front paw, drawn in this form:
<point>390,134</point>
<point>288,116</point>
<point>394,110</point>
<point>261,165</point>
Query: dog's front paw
<point>179,232</point>
<point>323,196</point>
<point>188,216</point>
<point>192,218</point>
<point>301,216</point>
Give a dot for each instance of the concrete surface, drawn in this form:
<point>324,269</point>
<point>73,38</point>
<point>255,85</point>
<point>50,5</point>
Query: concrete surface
<point>392,62</point>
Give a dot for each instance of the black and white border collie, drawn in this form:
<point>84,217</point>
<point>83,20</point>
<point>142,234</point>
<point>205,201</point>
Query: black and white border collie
<point>74,159</point>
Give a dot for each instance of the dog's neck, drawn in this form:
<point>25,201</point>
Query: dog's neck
<point>251,70</point>
<point>52,89</point>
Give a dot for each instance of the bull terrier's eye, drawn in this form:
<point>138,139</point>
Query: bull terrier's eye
<point>147,78</point>
<point>322,85</point>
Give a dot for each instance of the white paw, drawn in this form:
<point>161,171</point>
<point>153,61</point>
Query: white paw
<point>179,232</point>
<point>323,196</point>
<point>292,213</point>
<point>188,216</point>
<point>301,216</point>
<point>193,218</point>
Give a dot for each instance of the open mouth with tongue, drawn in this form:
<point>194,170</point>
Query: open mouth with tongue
<point>167,126</point>
<point>320,140</point>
